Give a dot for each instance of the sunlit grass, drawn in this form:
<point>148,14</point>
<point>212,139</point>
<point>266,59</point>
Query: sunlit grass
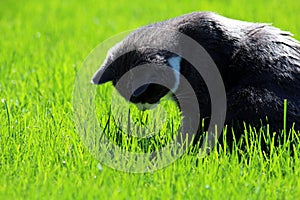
<point>43,45</point>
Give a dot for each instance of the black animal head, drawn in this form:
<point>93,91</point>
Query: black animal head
<point>147,94</point>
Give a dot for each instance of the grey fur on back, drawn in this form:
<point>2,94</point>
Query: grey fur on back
<point>259,63</point>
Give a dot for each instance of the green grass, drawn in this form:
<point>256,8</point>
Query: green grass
<point>43,45</point>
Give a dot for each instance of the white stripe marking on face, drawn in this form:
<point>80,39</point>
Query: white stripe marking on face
<point>174,62</point>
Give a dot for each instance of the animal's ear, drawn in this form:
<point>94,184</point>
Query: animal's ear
<point>103,75</point>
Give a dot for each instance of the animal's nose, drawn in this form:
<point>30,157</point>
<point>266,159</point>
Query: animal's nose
<point>140,90</point>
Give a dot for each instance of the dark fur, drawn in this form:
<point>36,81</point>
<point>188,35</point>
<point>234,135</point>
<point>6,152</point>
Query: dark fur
<point>259,64</point>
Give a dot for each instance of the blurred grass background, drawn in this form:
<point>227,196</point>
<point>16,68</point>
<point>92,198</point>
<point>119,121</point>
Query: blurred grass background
<point>43,44</point>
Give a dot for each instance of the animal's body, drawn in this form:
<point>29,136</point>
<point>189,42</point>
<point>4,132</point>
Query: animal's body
<point>259,65</point>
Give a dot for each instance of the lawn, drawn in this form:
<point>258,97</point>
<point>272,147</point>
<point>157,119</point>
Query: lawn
<point>43,45</point>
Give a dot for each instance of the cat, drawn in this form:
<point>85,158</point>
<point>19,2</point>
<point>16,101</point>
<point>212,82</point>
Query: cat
<point>259,65</point>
